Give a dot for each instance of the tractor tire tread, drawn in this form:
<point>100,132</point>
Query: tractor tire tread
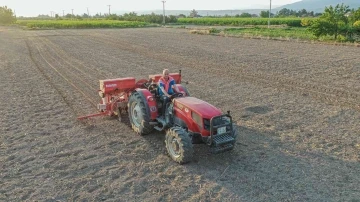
<point>187,150</point>
<point>145,128</point>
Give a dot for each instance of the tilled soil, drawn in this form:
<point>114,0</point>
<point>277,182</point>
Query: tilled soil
<point>296,106</point>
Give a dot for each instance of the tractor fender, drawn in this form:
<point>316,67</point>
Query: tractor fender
<point>151,106</point>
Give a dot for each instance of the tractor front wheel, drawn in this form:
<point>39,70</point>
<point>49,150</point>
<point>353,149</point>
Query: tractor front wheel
<point>139,116</point>
<point>178,144</point>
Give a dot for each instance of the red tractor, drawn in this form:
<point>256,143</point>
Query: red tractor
<point>186,120</point>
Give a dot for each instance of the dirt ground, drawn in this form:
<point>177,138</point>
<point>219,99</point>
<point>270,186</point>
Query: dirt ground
<point>296,106</point>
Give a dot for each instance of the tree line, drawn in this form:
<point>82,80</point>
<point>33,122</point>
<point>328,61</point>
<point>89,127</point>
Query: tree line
<point>7,16</point>
<point>339,21</point>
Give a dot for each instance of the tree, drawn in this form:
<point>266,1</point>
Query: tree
<point>284,12</point>
<point>355,21</point>
<point>302,13</point>
<point>181,16</point>
<point>85,15</point>
<point>357,25</point>
<point>332,22</point>
<point>265,14</point>
<point>69,15</point>
<point>193,13</point>
<point>355,15</point>
<point>6,15</point>
<point>112,17</point>
<point>245,15</point>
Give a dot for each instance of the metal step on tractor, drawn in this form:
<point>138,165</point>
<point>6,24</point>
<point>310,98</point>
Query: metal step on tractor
<point>187,120</point>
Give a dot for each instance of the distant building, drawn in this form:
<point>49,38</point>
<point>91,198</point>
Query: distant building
<point>348,14</point>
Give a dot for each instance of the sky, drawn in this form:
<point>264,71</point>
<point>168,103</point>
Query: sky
<point>29,8</point>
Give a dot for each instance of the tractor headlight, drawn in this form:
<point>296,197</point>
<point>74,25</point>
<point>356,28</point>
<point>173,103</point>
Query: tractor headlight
<point>217,121</point>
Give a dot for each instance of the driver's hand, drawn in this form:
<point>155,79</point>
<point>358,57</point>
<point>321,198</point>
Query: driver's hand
<point>183,93</point>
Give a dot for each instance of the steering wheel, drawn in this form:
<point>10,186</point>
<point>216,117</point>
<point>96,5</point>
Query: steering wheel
<point>152,86</point>
<point>175,95</point>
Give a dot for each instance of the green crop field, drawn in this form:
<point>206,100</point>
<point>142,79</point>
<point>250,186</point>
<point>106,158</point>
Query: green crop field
<point>293,33</point>
<point>71,24</point>
<point>292,22</point>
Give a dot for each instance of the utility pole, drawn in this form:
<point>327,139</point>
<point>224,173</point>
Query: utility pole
<point>88,11</point>
<point>163,11</point>
<point>72,13</point>
<point>269,15</point>
<point>109,9</point>
<point>63,13</point>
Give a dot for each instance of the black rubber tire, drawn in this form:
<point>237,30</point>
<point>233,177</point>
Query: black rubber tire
<point>138,115</point>
<point>182,140</point>
<point>235,132</point>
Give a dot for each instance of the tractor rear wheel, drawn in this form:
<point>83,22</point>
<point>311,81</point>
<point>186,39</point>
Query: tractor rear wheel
<point>178,144</point>
<point>138,114</point>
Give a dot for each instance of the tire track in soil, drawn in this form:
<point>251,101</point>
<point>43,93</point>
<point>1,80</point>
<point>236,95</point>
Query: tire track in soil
<point>73,73</point>
<point>326,94</point>
<point>70,71</point>
<point>38,68</point>
<point>62,93</point>
<point>156,139</point>
<point>78,43</point>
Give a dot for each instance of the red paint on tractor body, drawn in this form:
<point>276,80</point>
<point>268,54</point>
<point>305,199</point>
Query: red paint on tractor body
<point>201,107</point>
<point>115,95</point>
<point>109,86</point>
<point>189,109</point>
<point>151,101</point>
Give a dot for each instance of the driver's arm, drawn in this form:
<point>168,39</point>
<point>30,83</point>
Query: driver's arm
<point>163,90</point>
<point>173,86</point>
<point>177,89</point>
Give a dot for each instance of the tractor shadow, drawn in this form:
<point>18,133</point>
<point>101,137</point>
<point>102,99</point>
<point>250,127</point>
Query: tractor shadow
<point>263,167</point>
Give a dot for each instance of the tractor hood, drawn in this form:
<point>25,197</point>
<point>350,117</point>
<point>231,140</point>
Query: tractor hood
<point>201,107</point>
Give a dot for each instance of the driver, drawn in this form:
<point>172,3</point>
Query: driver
<point>166,88</point>
<point>167,84</point>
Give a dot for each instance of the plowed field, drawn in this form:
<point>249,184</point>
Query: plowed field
<point>296,106</point>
